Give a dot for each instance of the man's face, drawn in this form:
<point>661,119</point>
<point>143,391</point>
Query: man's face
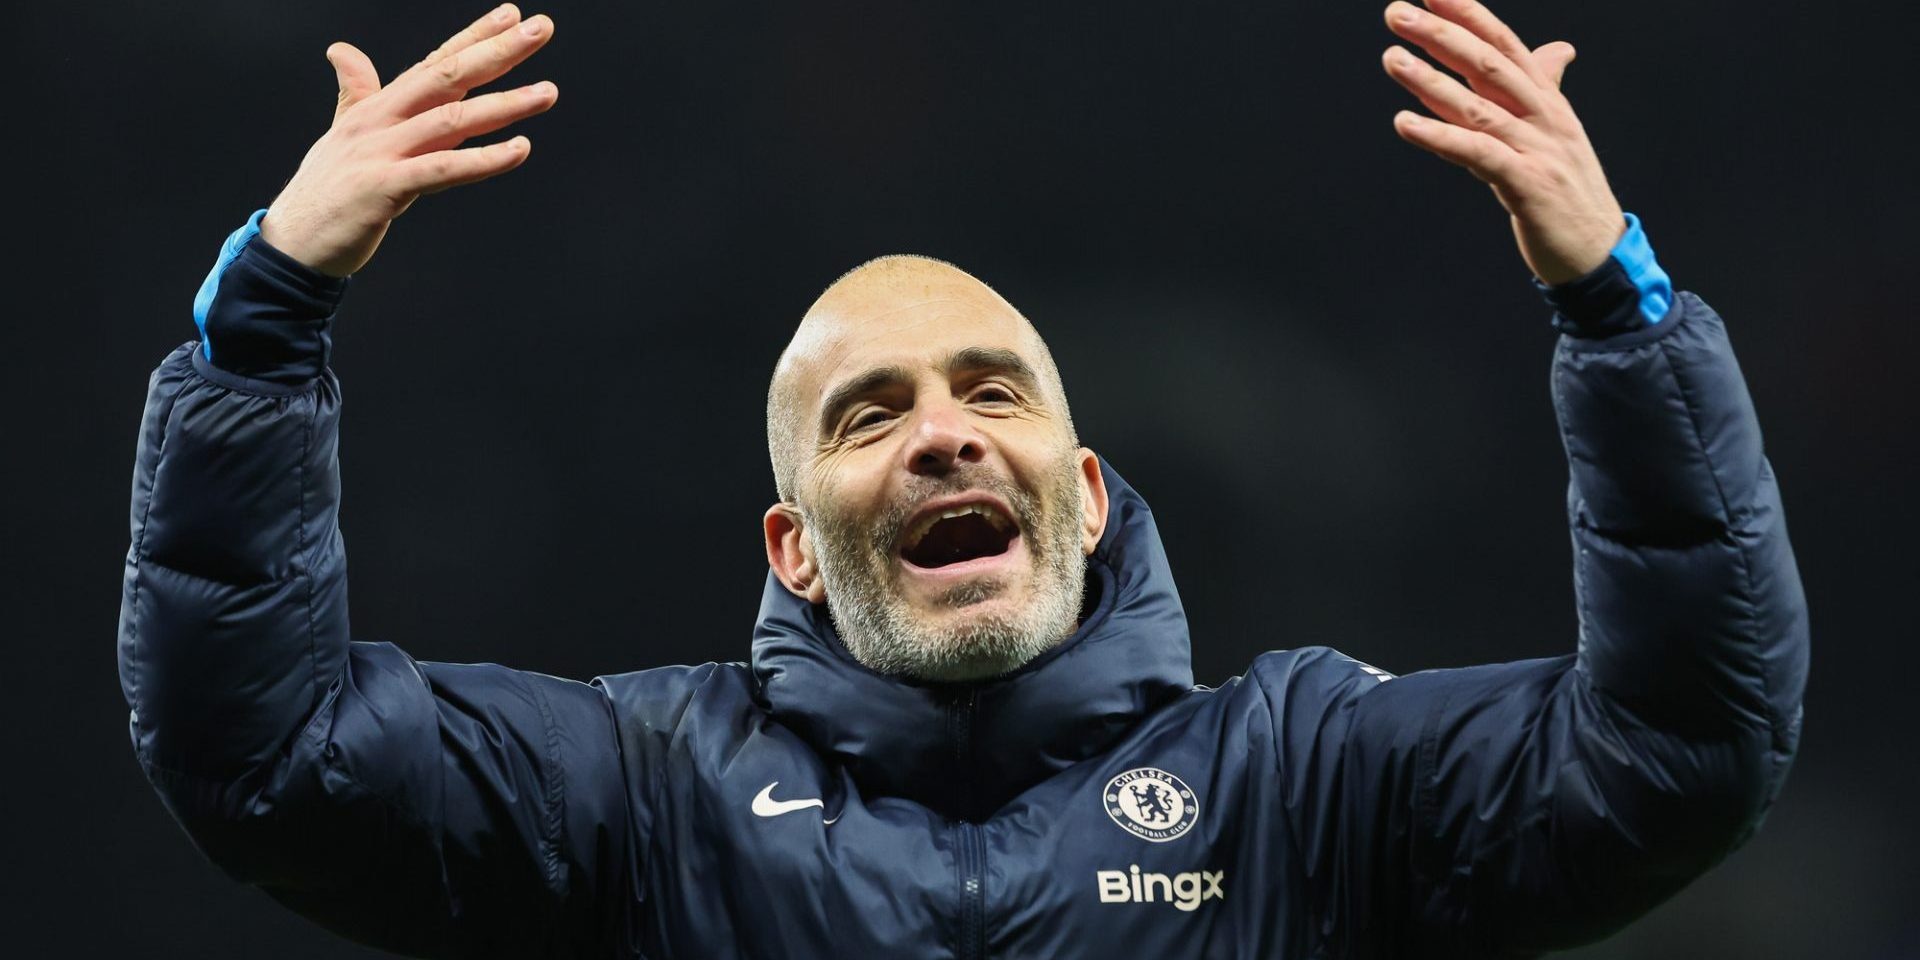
<point>943,508</point>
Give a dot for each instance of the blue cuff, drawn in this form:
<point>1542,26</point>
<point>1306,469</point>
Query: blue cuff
<point>272,314</point>
<point>210,287</point>
<point>1636,255</point>
<point>1628,291</point>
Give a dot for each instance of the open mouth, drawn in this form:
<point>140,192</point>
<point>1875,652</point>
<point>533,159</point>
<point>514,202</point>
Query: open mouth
<point>957,534</point>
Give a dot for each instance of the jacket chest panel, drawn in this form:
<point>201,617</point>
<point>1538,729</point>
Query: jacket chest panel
<point>766,853</point>
<point>765,850</point>
<point>1165,845</point>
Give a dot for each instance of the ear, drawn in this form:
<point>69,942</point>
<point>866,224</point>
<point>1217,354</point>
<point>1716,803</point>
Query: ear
<point>790,553</point>
<point>1093,501</point>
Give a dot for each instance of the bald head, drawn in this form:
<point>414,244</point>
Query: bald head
<point>874,316</point>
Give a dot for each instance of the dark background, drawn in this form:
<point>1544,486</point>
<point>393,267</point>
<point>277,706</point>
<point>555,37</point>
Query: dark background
<point>1311,346</point>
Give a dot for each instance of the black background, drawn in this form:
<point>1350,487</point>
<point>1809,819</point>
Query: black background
<point>1311,346</point>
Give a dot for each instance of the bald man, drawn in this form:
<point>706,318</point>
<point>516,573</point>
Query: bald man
<point>969,726</point>
<point>933,492</point>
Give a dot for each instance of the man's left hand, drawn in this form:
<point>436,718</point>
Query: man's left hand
<point>1510,126</point>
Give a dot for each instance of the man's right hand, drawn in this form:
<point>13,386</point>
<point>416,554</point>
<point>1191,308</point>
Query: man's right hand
<point>389,145</point>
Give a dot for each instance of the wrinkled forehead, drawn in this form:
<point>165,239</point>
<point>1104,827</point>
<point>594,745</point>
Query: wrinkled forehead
<point>915,324</point>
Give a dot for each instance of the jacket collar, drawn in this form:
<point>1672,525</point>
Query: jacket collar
<point>965,749</point>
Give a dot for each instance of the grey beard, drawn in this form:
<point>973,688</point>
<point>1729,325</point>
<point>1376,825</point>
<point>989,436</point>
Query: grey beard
<point>879,627</point>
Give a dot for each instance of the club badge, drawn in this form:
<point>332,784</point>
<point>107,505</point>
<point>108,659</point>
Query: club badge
<point>1151,804</point>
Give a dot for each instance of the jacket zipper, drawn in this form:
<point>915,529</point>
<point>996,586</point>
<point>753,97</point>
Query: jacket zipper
<point>973,921</point>
<point>973,849</point>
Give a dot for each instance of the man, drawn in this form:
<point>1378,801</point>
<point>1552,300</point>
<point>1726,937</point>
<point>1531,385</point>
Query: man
<point>969,727</point>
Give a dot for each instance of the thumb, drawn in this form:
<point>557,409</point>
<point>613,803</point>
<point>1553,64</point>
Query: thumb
<point>1553,59</point>
<point>358,79</point>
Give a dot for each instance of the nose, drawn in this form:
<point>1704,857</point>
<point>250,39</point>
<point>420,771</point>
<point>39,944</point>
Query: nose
<point>943,437</point>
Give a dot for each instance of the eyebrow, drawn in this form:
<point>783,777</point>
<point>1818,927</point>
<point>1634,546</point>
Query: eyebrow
<point>994,360</point>
<point>967,360</point>
<point>867,383</point>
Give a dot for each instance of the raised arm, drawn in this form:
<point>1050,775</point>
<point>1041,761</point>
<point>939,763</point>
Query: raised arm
<point>429,808</point>
<point>1510,809</point>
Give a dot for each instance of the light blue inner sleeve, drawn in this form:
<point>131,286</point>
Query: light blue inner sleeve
<point>210,287</point>
<point>1635,254</point>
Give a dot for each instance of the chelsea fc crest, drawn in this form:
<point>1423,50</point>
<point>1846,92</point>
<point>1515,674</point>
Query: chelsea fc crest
<point>1151,804</point>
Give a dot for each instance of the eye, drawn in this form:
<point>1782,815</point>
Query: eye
<point>992,393</point>
<point>870,417</point>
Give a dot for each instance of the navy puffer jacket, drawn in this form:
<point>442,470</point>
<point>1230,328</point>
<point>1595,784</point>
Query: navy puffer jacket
<point>1096,803</point>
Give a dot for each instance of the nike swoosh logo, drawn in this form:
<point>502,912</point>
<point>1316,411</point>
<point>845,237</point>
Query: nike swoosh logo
<point>764,805</point>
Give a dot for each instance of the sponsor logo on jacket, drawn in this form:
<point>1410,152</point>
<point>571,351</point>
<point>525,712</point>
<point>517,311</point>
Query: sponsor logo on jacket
<point>1186,891</point>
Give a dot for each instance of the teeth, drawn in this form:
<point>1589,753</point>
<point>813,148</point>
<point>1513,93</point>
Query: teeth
<point>919,530</point>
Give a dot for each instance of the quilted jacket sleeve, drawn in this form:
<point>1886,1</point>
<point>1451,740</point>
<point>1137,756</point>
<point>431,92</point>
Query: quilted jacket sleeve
<point>426,808</point>
<point>1511,809</point>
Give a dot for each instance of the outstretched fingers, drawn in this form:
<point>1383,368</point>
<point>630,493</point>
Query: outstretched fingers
<point>1483,154</point>
<point>1481,22</point>
<point>1513,130</point>
<point>435,172</point>
<point>450,124</point>
<point>429,84</point>
<point>1452,101</point>
<point>497,20</point>
<point>1492,73</point>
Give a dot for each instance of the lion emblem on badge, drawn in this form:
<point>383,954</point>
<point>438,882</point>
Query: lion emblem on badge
<point>1151,804</point>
